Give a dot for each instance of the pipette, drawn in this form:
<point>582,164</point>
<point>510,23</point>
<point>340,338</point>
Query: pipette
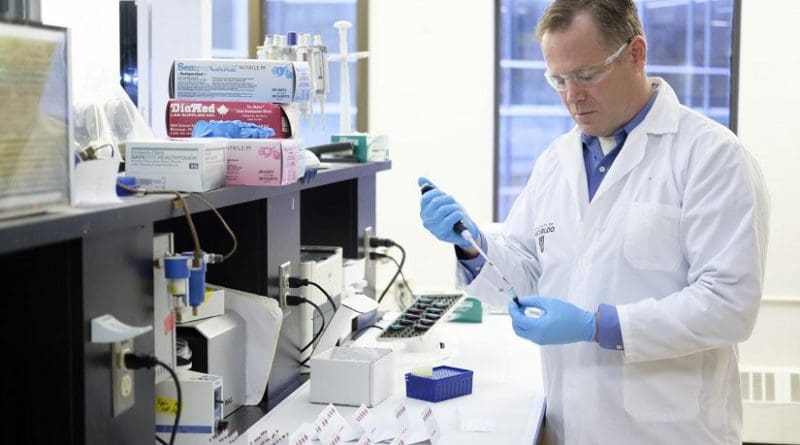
<point>344,77</point>
<point>461,229</point>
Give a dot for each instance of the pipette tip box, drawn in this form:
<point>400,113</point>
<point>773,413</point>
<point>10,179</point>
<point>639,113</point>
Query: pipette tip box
<point>446,383</point>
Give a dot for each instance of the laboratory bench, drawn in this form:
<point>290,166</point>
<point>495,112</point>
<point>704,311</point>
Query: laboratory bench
<point>507,398</point>
<point>63,268</point>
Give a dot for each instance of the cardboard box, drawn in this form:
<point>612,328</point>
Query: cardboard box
<point>368,147</point>
<point>352,376</point>
<point>190,165</point>
<point>240,80</point>
<point>181,115</point>
<point>263,161</point>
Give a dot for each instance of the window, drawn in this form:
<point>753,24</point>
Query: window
<point>229,29</point>
<point>690,45</point>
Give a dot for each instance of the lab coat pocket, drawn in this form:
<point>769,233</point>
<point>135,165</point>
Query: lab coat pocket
<point>652,237</point>
<point>663,390</point>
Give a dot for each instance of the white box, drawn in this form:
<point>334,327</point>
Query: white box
<point>263,161</point>
<point>352,376</point>
<point>190,165</point>
<point>200,412</point>
<point>245,80</point>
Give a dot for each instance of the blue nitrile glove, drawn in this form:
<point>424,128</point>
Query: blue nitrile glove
<point>559,323</point>
<point>309,176</point>
<point>440,212</point>
<point>234,129</point>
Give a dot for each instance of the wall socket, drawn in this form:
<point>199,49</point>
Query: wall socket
<point>284,272</point>
<point>121,378</point>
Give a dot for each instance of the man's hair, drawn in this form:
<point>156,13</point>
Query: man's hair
<point>617,20</point>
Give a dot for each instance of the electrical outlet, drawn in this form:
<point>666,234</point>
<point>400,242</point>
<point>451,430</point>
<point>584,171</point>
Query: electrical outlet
<point>284,272</point>
<point>368,233</point>
<point>121,378</point>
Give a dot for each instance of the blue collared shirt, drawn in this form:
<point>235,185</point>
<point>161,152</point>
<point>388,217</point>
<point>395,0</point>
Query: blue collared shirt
<point>597,164</point>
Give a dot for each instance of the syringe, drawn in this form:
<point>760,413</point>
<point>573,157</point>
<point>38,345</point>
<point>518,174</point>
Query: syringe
<point>461,229</point>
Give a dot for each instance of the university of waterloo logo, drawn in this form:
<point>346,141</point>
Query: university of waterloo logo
<point>541,232</point>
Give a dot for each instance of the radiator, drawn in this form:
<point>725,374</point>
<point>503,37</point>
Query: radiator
<point>771,403</point>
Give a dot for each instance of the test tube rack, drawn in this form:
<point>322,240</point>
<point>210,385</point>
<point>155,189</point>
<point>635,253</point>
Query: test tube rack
<point>421,316</point>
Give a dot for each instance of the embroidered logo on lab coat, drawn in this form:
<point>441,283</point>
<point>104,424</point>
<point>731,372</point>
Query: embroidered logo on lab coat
<point>542,231</point>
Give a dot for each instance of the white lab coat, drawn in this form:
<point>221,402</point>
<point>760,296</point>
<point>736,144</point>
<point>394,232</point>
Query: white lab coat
<point>676,238</point>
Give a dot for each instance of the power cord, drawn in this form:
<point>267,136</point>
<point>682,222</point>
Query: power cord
<point>224,224</point>
<point>294,300</point>
<point>372,326</point>
<point>386,242</point>
<point>180,202</point>
<point>295,282</point>
<point>139,361</point>
<point>357,334</point>
<point>376,255</point>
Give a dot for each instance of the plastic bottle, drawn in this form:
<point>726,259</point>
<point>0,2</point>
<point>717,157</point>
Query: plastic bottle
<point>290,52</point>
<point>261,51</point>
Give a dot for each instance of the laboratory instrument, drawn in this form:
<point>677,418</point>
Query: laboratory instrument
<point>462,230</point>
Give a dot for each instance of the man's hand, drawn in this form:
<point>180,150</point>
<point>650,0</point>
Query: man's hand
<point>558,323</point>
<point>440,212</point>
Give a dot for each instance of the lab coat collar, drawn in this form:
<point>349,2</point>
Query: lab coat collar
<point>570,155</point>
<point>661,119</point>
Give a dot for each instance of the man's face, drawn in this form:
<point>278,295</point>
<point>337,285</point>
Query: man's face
<point>601,108</point>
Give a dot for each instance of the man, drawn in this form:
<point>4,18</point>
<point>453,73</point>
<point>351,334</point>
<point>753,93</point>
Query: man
<point>640,238</point>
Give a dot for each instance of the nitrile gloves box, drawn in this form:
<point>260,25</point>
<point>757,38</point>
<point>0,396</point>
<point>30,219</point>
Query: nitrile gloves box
<point>190,165</point>
<point>183,114</point>
<point>243,80</point>
<point>352,376</point>
<point>263,161</point>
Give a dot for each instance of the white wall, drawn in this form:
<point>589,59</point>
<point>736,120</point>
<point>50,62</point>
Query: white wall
<point>431,90</point>
<point>94,48</point>
<point>768,117</point>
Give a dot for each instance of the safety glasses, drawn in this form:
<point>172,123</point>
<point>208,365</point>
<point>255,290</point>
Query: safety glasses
<point>585,76</point>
